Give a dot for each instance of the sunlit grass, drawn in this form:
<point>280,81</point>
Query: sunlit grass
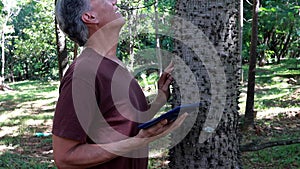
<point>14,161</point>
<point>24,111</point>
<point>272,90</point>
<point>275,157</point>
<point>273,96</point>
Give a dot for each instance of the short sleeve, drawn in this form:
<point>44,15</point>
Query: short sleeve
<point>65,122</point>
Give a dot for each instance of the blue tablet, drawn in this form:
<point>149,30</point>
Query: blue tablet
<point>171,115</point>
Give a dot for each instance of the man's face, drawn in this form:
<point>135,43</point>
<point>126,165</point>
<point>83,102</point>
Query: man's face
<point>106,11</point>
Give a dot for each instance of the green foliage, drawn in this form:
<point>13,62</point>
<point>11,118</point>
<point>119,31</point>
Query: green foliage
<point>30,47</point>
<point>138,36</point>
<point>1,6</point>
<point>31,50</point>
<point>34,49</point>
<point>279,26</point>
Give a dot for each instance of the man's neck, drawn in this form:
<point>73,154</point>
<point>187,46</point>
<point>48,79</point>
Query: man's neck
<point>105,40</point>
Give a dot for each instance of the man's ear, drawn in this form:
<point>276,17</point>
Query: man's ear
<point>89,17</point>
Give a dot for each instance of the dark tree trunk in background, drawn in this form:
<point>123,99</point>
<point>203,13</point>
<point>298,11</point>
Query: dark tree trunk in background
<point>75,51</point>
<point>285,45</point>
<point>249,114</point>
<point>26,71</point>
<point>62,52</point>
<point>219,21</point>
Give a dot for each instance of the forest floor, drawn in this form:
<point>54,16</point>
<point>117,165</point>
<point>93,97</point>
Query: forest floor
<point>26,117</point>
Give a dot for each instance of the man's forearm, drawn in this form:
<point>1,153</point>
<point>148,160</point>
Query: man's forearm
<point>88,155</point>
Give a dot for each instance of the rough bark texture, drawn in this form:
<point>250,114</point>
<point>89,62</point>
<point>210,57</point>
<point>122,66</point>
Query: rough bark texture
<point>219,21</point>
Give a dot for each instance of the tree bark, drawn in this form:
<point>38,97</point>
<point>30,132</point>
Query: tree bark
<point>158,49</point>
<point>2,78</point>
<point>75,50</point>
<point>249,114</point>
<point>218,147</point>
<point>286,44</point>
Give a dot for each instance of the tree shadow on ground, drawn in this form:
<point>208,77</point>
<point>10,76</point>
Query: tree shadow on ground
<point>272,128</point>
<point>25,112</point>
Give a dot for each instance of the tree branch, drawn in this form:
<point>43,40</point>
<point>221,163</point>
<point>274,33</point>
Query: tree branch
<point>249,2</point>
<point>137,7</point>
<point>256,147</point>
<point>4,87</point>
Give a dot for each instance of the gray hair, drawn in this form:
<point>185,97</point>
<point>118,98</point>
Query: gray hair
<point>68,15</point>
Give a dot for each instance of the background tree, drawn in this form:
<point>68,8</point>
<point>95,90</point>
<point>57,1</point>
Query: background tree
<point>31,32</point>
<point>219,21</point>
<point>140,40</point>
<point>29,49</point>
<point>34,54</point>
<point>62,52</point>
<point>278,31</point>
<point>8,9</point>
<point>249,114</point>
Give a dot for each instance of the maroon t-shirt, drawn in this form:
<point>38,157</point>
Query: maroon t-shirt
<point>100,102</point>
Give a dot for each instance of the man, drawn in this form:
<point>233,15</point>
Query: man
<point>100,104</point>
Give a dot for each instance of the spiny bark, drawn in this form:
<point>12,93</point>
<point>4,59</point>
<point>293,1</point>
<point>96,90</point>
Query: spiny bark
<point>218,20</point>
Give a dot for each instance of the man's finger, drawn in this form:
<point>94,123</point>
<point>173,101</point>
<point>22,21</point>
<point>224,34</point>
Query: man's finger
<point>170,67</point>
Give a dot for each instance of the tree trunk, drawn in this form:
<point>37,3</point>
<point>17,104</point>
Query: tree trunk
<point>75,52</point>
<point>215,63</point>
<point>241,35</point>
<point>286,44</point>
<point>62,52</point>
<point>158,49</point>
<point>132,37</point>
<point>26,71</point>
<point>249,114</point>
<point>2,78</point>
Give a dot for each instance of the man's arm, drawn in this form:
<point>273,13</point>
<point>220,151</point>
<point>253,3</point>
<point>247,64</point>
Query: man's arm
<point>73,154</point>
<point>163,93</point>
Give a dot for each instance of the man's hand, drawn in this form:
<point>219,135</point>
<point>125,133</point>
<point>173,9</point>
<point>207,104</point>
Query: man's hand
<point>163,93</point>
<point>161,129</point>
<point>165,80</point>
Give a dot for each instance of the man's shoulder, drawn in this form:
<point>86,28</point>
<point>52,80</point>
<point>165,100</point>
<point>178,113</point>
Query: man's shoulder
<point>86,64</point>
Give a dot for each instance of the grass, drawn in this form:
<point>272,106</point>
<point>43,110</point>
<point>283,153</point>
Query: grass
<point>273,93</point>
<point>276,103</point>
<point>282,157</point>
<point>25,111</point>
<point>29,109</point>
<point>13,161</point>
<point>283,126</point>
